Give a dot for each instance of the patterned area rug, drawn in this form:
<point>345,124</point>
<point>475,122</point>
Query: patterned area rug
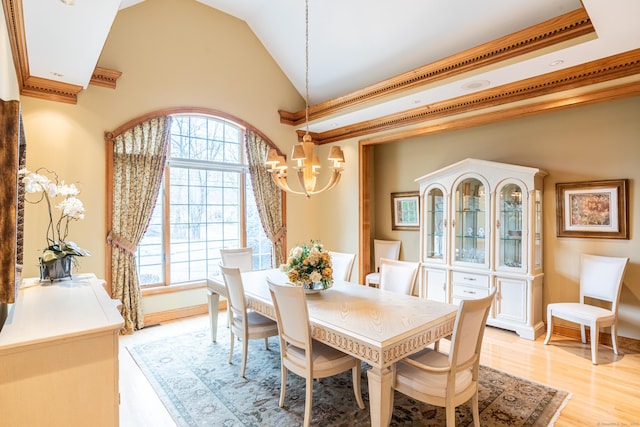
<point>199,388</point>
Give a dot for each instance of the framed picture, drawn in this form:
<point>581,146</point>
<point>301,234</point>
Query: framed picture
<point>405,211</point>
<point>596,209</point>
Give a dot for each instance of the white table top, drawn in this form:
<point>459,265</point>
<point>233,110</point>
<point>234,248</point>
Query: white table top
<point>64,309</point>
<point>378,326</point>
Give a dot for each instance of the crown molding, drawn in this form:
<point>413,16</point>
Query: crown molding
<point>39,87</point>
<point>563,29</point>
<point>557,84</point>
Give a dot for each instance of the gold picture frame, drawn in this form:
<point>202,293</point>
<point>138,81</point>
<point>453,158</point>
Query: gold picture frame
<point>593,209</point>
<point>405,211</point>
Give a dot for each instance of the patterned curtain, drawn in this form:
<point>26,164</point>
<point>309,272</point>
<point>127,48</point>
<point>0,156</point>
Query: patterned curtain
<point>139,158</point>
<point>269,198</point>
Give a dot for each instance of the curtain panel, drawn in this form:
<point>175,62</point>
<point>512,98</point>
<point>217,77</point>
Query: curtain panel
<point>139,158</point>
<point>269,198</point>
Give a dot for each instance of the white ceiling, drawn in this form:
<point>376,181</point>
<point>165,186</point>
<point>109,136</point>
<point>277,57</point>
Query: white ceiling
<point>352,43</point>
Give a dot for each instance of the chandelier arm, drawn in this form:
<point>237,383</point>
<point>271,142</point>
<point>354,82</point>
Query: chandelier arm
<point>336,174</point>
<point>301,181</point>
<point>281,182</point>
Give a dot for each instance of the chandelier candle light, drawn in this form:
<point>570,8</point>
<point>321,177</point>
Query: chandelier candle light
<point>304,154</point>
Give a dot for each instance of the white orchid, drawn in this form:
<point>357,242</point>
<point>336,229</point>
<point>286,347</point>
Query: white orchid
<point>71,208</point>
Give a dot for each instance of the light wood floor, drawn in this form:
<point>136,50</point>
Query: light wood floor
<point>604,395</point>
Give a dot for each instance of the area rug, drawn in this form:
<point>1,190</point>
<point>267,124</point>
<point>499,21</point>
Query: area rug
<point>199,387</point>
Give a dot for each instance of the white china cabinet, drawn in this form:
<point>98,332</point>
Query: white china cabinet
<point>481,227</point>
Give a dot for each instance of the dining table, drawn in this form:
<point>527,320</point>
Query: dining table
<point>376,326</point>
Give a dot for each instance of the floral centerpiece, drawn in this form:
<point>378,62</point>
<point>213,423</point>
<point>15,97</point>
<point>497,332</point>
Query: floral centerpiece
<point>308,265</point>
<point>58,250</point>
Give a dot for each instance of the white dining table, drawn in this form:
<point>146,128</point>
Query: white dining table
<point>376,326</point>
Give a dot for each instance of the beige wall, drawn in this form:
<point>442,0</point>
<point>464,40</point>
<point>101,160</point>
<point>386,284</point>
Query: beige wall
<point>595,142</point>
<point>172,54</point>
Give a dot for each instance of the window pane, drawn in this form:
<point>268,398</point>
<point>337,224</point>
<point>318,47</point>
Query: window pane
<point>205,209</point>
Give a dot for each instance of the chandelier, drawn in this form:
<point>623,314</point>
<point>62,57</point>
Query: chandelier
<point>304,154</point>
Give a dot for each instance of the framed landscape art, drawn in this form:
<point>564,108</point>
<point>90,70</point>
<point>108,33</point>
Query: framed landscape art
<point>595,209</point>
<point>405,208</point>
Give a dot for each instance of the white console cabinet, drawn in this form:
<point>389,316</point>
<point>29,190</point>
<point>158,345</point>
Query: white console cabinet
<point>59,356</point>
<point>481,227</point>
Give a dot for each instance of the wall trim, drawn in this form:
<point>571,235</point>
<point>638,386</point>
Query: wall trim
<point>159,317</point>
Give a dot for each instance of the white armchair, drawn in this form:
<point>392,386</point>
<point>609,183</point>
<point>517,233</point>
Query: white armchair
<point>449,380</point>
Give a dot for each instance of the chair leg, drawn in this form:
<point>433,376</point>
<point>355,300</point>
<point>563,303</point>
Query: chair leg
<point>614,337</point>
<point>283,384</point>
<point>549,327</point>
<point>595,332</point>
<point>355,372</point>
<point>307,403</point>
<point>245,345</point>
<point>266,343</point>
<point>474,410</point>
<point>450,412</point>
<point>231,345</point>
<point>583,335</point>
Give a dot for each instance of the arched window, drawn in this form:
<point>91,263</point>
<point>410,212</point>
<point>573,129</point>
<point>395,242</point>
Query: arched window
<point>206,204</point>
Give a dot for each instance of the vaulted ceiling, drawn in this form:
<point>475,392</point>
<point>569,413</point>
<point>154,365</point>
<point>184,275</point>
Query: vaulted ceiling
<point>413,66</point>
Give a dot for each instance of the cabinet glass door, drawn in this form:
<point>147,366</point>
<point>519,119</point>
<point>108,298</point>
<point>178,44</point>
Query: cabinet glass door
<point>471,222</point>
<point>510,227</point>
<point>537,229</point>
<point>435,224</point>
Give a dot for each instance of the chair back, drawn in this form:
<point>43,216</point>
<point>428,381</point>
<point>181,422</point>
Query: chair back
<point>292,315</point>
<point>235,291</point>
<point>601,278</point>
<point>389,249</point>
<point>241,258</point>
<point>342,265</point>
<point>468,332</point>
<point>398,276</point>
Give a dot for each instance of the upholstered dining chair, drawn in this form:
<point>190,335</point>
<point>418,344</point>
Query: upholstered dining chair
<point>241,258</point>
<point>342,264</point>
<point>449,380</point>
<point>301,354</point>
<point>244,323</point>
<point>600,279</point>
<point>398,276</point>
<point>389,249</point>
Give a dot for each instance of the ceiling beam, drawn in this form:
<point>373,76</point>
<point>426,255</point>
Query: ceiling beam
<point>580,76</point>
<point>570,26</point>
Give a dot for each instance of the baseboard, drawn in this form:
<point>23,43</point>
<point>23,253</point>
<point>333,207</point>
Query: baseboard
<point>629,344</point>
<point>178,313</point>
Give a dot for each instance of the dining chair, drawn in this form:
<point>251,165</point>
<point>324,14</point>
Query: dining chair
<point>448,380</point>
<point>301,354</point>
<point>241,258</point>
<point>600,279</point>
<point>389,249</point>
<point>398,276</point>
<point>244,323</point>
<point>342,264</point>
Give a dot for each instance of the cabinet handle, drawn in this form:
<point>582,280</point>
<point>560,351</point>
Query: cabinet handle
<point>453,223</point>
<point>469,292</point>
<point>472,279</point>
<point>444,222</point>
<point>497,223</point>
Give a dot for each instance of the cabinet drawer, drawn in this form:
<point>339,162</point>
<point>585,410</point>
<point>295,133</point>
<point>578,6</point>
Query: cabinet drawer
<point>479,280</point>
<point>461,292</point>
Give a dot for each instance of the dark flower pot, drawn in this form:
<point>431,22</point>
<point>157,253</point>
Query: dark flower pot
<point>57,270</point>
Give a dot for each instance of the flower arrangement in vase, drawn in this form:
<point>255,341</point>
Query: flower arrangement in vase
<point>59,253</point>
<point>309,266</point>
